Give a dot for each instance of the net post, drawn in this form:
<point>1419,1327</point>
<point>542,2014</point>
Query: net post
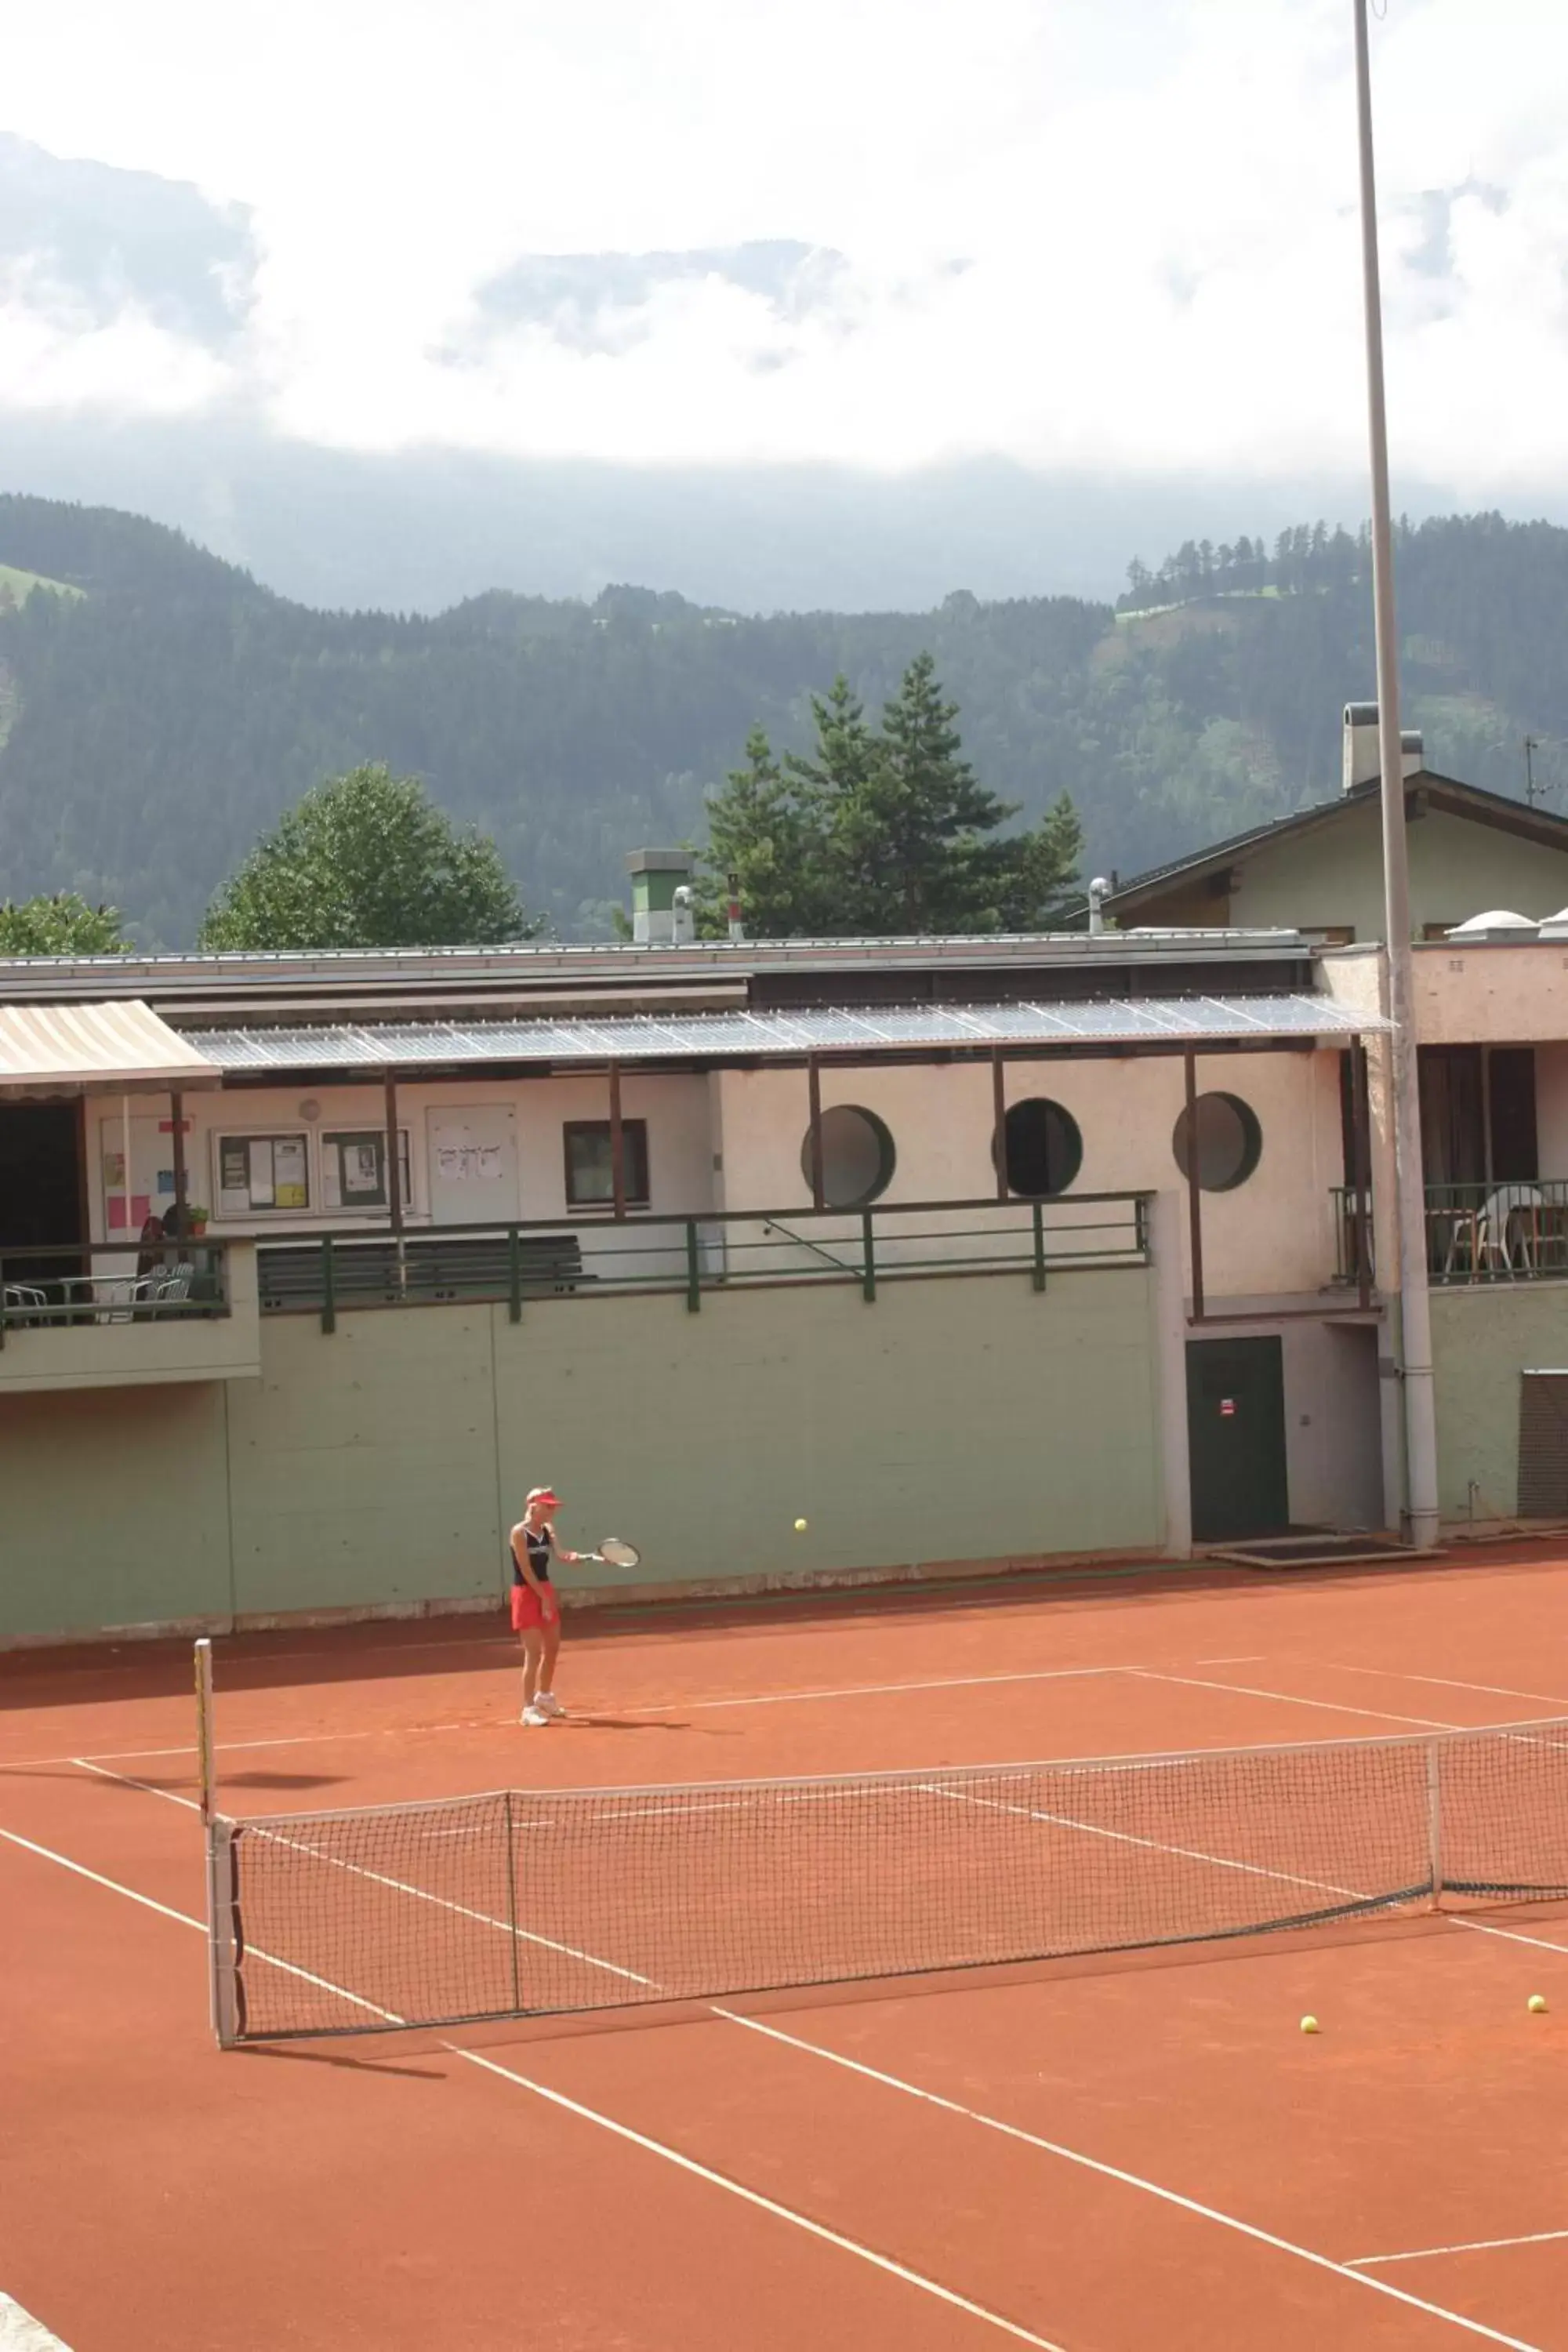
<point>1435,1821</point>
<point>219,1861</point>
<point>511,1907</point>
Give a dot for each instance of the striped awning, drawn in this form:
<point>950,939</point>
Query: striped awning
<point>74,1049</point>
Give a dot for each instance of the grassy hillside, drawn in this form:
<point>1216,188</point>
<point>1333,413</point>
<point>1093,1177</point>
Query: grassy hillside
<point>16,585</point>
<point>164,717</point>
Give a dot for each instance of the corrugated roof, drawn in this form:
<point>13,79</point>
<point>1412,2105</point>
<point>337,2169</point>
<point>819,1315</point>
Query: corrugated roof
<point>82,1048</point>
<point>729,1036</point>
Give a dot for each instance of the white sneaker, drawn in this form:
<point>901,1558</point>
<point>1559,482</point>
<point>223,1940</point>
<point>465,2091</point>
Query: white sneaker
<point>548,1703</point>
<point>533,1715</point>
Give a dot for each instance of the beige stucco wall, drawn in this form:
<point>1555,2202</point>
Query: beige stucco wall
<point>1333,876</point>
<point>675,1105</point>
<point>962,1419</point>
<point>1272,1235</point>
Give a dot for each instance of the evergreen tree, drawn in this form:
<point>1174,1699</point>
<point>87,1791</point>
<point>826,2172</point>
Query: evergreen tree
<point>880,831</point>
<point>64,925</point>
<point>364,861</point>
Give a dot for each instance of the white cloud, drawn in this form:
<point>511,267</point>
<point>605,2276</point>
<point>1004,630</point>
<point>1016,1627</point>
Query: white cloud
<point>1156,203</point>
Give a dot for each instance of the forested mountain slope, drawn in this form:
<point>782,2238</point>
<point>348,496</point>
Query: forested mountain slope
<point>152,725</point>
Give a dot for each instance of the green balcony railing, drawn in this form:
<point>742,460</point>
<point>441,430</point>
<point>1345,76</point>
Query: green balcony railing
<point>112,1282</point>
<point>429,1265</point>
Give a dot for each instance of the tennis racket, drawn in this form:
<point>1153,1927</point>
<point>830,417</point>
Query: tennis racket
<point>614,1553</point>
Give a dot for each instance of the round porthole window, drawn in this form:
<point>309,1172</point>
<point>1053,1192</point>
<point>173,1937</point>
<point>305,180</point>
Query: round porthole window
<point>857,1157</point>
<point>1229,1142</point>
<point>1044,1148</point>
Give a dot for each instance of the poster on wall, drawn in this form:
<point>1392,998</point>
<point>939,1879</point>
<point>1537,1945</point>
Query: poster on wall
<point>260,1173</point>
<point>291,1190</point>
<point>361,1168</point>
<point>233,1182</point>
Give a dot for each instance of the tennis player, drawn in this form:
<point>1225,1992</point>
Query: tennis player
<point>535,1604</point>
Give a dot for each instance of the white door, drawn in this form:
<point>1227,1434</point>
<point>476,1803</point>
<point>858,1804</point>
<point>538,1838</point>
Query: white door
<point>473,1165</point>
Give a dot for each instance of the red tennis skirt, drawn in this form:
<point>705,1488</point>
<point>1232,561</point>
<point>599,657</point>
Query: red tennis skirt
<point>526,1610</point>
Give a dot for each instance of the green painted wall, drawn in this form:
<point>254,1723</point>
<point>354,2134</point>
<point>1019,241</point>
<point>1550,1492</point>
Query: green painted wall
<point>1482,1339</point>
<point>113,1507</point>
<point>952,1420</point>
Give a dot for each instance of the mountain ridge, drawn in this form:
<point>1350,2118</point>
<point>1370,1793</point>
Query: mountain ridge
<point>162,718</point>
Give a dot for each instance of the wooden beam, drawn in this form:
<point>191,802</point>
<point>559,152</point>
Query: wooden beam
<point>394,1181</point>
<point>999,1121</point>
<point>814,1097</point>
<point>617,1144</point>
<point>1195,1191</point>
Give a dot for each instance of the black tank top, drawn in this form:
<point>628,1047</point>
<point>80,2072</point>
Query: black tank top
<point>538,1547</point>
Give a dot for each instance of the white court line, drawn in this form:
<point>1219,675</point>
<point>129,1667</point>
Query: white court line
<point>1472,2246</point>
<point>233,1747</point>
<point>879,1690</point>
<point>1289,1699</point>
<point>1154,1845</point>
<point>1448,1682</point>
<point>20,2332</point>
<point>815,2229</point>
<point>1126,2179</point>
<point>608,2123</point>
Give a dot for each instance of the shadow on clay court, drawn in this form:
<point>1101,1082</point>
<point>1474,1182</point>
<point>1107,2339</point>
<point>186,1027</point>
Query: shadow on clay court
<point>393,1650</point>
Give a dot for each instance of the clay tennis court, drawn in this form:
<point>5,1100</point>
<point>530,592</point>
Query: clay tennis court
<point>1097,2154</point>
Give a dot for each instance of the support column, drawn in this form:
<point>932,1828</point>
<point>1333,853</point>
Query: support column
<point>999,1120</point>
<point>1169,1309</point>
<point>617,1144</point>
<point>177,1129</point>
<point>1195,1190</point>
<point>394,1178</point>
<point>1362,1170</point>
<point>813,1095</point>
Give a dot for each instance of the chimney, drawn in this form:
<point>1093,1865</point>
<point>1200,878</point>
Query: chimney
<point>1098,890</point>
<point>1363,758</point>
<point>737,927</point>
<point>658,875</point>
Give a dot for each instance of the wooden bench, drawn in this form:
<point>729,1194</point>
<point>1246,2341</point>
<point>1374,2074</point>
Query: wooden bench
<point>435,1268</point>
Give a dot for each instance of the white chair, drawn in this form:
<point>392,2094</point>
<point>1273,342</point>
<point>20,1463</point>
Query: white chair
<point>1504,1233</point>
<point>174,1285</point>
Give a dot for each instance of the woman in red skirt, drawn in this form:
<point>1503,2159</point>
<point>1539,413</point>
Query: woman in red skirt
<point>535,1608</point>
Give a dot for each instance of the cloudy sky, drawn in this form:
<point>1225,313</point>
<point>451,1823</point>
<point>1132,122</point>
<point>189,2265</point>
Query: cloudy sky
<point>1113,235</point>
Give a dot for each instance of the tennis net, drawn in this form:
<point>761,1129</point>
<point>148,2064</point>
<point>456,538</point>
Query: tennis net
<point>544,1901</point>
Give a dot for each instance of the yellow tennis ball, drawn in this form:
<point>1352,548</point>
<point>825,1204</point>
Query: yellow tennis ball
<point>1536,2003</point>
<point>1310,2025</point>
<point>800,1527</point>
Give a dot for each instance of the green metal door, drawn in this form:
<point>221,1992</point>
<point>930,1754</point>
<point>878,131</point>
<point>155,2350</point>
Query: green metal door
<point>1236,1438</point>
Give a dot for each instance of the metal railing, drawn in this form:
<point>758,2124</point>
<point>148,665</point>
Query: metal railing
<point>1347,1265</point>
<point>42,1285</point>
<point>429,1265</point>
<point>1475,1233</point>
<point>1498,1232</point>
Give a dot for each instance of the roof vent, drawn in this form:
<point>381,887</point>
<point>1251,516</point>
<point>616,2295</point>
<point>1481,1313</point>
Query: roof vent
<point>1497,922</point>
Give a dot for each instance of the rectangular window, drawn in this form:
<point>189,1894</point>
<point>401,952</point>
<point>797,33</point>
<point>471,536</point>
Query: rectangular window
<point>590,1180</point>
<point>262,1175</point>
<point>354,1169</point>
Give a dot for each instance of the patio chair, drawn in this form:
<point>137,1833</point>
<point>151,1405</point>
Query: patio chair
<point>1504,1233</point>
